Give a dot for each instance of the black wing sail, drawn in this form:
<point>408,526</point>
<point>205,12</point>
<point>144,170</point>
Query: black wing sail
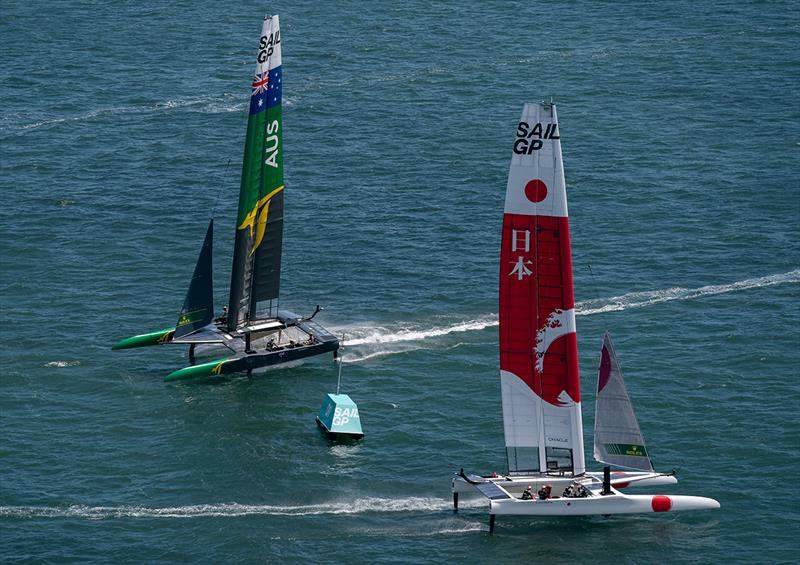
<point>198,307</point>
<point>267,268</point>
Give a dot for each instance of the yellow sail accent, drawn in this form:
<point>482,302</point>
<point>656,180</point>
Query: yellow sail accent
<point>261,226</point>
<point>166,337</point>
<point>250,219</point>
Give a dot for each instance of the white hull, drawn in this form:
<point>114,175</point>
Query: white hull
<point>615,503</point>
<point>589,496</point>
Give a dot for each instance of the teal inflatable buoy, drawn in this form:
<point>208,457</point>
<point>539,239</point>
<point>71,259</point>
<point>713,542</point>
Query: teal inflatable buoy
<point>338,416</point>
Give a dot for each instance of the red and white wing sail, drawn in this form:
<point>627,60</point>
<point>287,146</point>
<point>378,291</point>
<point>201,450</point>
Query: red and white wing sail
<point>538,346</point>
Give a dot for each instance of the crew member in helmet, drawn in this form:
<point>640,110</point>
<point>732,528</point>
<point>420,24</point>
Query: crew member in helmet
<point>544,492</point>
<point>527,494</point>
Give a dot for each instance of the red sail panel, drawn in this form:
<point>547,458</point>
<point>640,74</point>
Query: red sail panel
<point>535,282</point>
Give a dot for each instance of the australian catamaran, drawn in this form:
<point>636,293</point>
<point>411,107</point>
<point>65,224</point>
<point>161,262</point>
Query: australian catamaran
<point>539,378</point>
<point>255,332</point>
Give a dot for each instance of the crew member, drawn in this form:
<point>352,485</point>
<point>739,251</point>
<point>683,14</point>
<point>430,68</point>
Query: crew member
<point>544,492</point>
<point>223,319</point>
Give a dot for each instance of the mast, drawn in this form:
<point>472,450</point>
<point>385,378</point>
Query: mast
<point>618,440</point>
<point>538,345</point>
<point>256,272</point>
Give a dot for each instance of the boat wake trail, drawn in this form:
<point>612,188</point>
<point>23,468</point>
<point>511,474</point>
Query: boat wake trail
<point>230,510</point>
<point>380,335</point>
<point>648,298</point>
<point>349,357</point>
<point>206,104</point>
<point>398,339</point>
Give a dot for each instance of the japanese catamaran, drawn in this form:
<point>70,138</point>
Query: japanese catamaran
<point>252,329</point>
<point>539,378</point>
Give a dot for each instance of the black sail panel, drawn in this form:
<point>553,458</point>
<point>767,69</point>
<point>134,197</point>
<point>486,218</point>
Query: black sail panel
<point>267,268</point>
<point>198,306</point>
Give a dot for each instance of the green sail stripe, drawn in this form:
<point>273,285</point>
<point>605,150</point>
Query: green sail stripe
<point>627,449</point>
<point>249,192</point>
<point>191,317</point>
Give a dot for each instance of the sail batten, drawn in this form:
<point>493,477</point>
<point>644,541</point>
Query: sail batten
<point>618,440</point>
<point>256,272</point>
<point>538,344</point>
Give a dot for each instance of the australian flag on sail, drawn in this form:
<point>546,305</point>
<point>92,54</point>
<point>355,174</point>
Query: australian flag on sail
<point>267,89</point>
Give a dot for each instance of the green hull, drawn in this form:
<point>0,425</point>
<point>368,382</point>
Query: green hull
<point>143,340</point>
<point>247,363</point>
<point>210,369</point>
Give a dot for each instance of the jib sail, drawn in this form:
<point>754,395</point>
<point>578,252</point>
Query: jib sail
<point>198,306</point>
<point>255,277</point>
<point>617,437</point>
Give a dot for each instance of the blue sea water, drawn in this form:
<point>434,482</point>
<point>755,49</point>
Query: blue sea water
<point>681,133</point>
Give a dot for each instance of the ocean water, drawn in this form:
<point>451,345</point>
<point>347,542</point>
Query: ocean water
<point>121,132</point>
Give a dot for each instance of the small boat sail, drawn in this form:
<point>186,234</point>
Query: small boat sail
<point>618,440</point>
<point>539,377</point>
<point>253,329</point>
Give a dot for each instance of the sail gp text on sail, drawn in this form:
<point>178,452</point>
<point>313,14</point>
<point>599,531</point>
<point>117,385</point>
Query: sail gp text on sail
<point>266,95</point>
<point>530,139</point>
<point>266,45</point>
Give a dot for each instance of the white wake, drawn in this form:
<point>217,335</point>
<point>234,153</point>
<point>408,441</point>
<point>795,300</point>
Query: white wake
<point>206,104</point>
<point>378,335</point>
<point>61,364</point>
<point>648,298</point>
<point>230,510</point>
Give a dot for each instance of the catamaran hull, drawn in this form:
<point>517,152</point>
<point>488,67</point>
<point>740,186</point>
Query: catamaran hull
<point>617,503</point>
<point>145,340</point>
<point>309,339</point>
<point>248,363</point>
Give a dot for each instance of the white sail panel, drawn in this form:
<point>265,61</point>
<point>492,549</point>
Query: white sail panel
<point>269,45</point>
<point>522,417</point>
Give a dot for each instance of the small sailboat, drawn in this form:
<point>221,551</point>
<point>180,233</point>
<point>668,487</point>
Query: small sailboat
<point>539,379</point>
<point>253,330</point>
